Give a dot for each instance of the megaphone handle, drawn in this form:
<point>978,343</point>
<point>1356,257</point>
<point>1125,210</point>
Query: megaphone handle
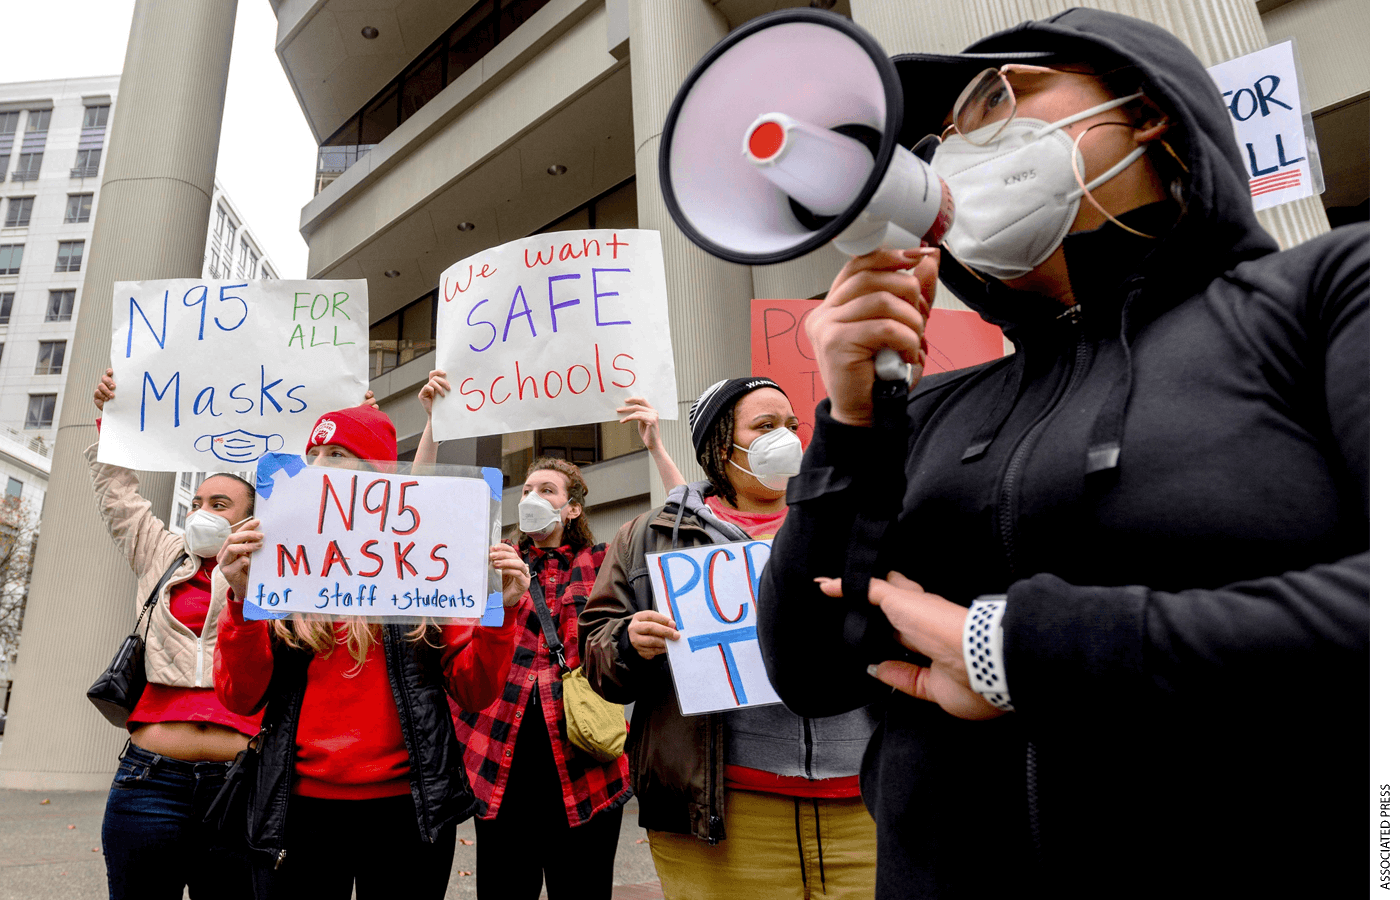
<point>890,367</point>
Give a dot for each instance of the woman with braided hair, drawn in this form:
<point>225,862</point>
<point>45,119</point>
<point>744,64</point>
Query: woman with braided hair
<point>756,802</point>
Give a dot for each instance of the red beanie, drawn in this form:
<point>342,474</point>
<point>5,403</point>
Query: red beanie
<point>363,430</point>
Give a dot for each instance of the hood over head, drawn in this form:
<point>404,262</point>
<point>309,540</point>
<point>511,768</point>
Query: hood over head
<point>1218,227</point>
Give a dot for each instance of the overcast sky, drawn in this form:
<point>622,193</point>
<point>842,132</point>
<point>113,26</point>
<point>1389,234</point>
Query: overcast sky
<point>267,157</point>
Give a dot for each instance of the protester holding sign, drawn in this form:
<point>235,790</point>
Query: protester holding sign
<point>182,738</point>
<point>553,813</point>
<point>359,782</point>
<point>736,804</point>
<point>1156,508</point>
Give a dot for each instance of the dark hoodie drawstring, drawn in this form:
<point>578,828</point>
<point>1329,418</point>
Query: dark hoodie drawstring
<point>1106,436</point>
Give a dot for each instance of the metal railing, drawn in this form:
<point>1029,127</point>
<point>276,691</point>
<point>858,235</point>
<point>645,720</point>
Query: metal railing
<point>83,172</point>
<point>331,162</point>
<point>24,175</point>
<point>28,441</point>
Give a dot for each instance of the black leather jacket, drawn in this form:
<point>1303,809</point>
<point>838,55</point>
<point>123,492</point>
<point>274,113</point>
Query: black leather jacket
<point>437,776</point>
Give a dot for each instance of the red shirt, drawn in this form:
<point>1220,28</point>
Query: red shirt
<point>189,603</point>
<point>350,744</point>
<point>764,526</point>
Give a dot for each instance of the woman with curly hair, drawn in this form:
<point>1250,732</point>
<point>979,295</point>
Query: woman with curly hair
<point>552,812</point>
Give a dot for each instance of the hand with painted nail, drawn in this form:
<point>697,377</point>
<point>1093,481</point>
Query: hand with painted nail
<point>927,624</point>
<point>878,300</point>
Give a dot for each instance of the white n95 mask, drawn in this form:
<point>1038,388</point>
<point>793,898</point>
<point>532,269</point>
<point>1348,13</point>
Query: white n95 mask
<point>537,515</point>
<point>1017,196</point>
<point>205,532</point>
<point>775,457</point>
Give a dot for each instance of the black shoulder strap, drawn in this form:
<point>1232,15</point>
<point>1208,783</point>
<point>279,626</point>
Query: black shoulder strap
<point>551,635</point>
<point>155,593</point>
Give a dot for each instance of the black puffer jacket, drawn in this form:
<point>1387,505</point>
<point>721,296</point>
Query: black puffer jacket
<point>1171,487</point>
<point>437,776</point>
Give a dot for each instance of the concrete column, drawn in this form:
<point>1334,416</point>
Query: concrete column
<point>709,299</point>
<point>1216,30</point>
<point>152,219</point>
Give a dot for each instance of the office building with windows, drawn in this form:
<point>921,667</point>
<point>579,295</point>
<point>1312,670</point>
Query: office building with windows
<point>450,127</point>
<point>51,141</point>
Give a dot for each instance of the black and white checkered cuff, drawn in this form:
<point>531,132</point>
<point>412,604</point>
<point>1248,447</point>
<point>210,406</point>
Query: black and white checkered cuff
<point>986,669</point>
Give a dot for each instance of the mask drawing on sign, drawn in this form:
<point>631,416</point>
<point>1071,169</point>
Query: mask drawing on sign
<point>239,446</point>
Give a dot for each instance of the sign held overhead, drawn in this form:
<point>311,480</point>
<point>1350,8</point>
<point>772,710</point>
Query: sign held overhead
<point>212,374</point>
<point>552,330</point>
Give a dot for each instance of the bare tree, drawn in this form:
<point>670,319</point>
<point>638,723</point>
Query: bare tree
<point>19,533</point>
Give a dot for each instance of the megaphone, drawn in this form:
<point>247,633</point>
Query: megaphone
<point>784,137</point>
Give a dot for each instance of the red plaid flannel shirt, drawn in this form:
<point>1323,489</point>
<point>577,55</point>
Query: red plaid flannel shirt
<point>489,736</point>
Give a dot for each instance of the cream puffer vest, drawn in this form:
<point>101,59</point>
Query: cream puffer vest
<point>175,655</point>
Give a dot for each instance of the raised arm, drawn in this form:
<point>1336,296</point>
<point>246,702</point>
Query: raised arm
<point>637,409</point>
<point>437,386</point>
<point>142,538</point>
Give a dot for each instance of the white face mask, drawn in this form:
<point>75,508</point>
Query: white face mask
<point>1017,196</point>
<point>775,457</point>
<point>205,532</point>
<point>537,515</point>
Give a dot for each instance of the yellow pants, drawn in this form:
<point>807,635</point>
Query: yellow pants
<point>777,848</point>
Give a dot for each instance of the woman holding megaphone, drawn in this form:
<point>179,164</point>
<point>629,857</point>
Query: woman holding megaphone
<point>1130,562</point>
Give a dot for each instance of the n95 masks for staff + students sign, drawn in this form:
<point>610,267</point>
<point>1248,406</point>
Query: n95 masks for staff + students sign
<point>711,593</point>
<point>551,330</point>
<point>212,374</point>
<point>353,542</point>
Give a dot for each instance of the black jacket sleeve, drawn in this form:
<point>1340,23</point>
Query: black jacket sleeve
<point>811,643</point>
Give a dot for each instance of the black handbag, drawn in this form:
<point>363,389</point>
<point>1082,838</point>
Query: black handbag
<point>120,685</point>
<point>227,812</point>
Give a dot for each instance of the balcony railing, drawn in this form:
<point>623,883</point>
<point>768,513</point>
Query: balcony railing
<point>24,175</point>
<point>83,172</point>
<point>331,162</point>
<point>27,441</point>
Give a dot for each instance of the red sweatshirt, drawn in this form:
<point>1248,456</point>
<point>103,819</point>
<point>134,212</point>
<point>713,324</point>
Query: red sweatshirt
<point>350,744</point>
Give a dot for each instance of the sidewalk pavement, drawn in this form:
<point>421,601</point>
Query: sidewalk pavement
<point>51,849</point>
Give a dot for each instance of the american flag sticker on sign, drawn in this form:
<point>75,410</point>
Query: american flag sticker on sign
<point>1267,105</point>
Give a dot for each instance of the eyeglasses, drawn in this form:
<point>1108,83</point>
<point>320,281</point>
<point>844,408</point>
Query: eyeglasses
<point>990,100</point>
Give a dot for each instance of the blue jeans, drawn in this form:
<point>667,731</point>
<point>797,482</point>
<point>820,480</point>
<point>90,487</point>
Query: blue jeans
<point>154,838</point>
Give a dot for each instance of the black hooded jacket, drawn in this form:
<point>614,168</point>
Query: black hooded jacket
<point>1170,486</point>
<point>438,783</point>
